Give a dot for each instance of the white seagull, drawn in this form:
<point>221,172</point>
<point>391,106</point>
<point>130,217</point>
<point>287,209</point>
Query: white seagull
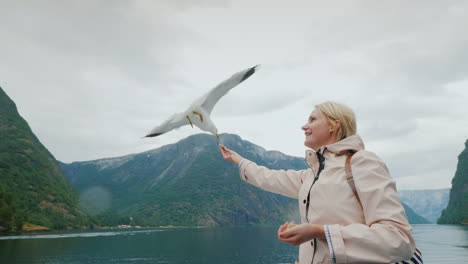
<point>198,113</point>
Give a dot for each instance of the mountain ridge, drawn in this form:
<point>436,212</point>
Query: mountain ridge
<point>154,174</point>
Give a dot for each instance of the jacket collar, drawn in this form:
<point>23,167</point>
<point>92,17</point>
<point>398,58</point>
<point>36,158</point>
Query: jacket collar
<point>352,143</point>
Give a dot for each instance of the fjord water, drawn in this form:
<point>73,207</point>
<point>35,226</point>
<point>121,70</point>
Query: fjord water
<point>439,243</point>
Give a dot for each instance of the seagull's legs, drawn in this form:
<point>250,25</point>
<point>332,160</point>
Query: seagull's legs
<point>200,115</point>
<point>217,138</point>
<point>190,121</point>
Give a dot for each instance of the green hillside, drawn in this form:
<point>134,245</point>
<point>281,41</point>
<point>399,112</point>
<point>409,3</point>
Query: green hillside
<point>33,187</point>
<point>457,208</point>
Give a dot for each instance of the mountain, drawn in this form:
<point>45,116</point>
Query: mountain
<point>184,184</point>
<point>457,209</point>
<point>33,187</point>
<point>413,217</point>
<point>187,183</point>
<point>426,203</point>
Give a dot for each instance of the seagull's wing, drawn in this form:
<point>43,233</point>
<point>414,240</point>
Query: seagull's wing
<point>210,99</point>
<point>175,121</point>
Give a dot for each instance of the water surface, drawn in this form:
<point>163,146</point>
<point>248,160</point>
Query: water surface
<point>439,244</point>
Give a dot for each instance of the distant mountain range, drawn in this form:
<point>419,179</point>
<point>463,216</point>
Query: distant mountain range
<point>426,203</point>
<point>33,187</point>
<point>457,209</point>
<point>188,183</point>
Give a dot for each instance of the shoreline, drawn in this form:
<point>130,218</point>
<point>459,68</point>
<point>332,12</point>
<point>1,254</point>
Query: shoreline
<point>45,230</point>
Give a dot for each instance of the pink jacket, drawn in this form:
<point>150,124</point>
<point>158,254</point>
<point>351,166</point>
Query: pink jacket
<point>377,232</point>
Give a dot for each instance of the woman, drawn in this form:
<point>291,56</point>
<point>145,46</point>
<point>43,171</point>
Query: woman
<point>337,226</point>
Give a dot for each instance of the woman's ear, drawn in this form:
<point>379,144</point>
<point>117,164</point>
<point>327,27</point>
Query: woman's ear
<point>337,124</point>
<point>334,126</point>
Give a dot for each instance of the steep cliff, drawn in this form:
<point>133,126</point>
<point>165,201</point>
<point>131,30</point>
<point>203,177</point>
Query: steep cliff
<point>457,209</point>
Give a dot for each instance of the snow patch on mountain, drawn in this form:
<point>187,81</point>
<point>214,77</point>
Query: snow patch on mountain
<point>112,163</point>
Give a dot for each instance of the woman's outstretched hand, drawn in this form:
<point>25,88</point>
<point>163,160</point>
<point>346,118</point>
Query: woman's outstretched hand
<point>230,155</point>
<point>300,233</point>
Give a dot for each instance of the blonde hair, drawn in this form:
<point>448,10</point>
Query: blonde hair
<point>336,111</point>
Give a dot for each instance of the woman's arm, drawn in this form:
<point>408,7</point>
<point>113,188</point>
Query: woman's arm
<point>283,182</point>
<point>386,235</point>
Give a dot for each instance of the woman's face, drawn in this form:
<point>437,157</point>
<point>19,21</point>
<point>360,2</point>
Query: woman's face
<point>317,131</point>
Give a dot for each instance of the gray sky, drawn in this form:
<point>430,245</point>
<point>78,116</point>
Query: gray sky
<point>93,77</point>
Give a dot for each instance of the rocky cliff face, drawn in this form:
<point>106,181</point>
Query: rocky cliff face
<point>457,209</point>
<point>33,187</point>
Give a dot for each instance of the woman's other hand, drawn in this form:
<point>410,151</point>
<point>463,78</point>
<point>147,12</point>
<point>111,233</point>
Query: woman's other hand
<point>230,155</point>
<point>300,233</point>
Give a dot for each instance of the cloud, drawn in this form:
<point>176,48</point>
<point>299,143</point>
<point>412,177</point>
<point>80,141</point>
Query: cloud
<point>92,77</point>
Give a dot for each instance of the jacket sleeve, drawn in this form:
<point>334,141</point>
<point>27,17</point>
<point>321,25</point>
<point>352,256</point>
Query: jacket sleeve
<point>386,235</point>
<point>284,182</point>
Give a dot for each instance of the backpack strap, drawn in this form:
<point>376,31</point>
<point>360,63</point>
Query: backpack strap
<point>349,175</point>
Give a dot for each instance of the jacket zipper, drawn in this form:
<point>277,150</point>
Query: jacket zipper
<point>321,159</point>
